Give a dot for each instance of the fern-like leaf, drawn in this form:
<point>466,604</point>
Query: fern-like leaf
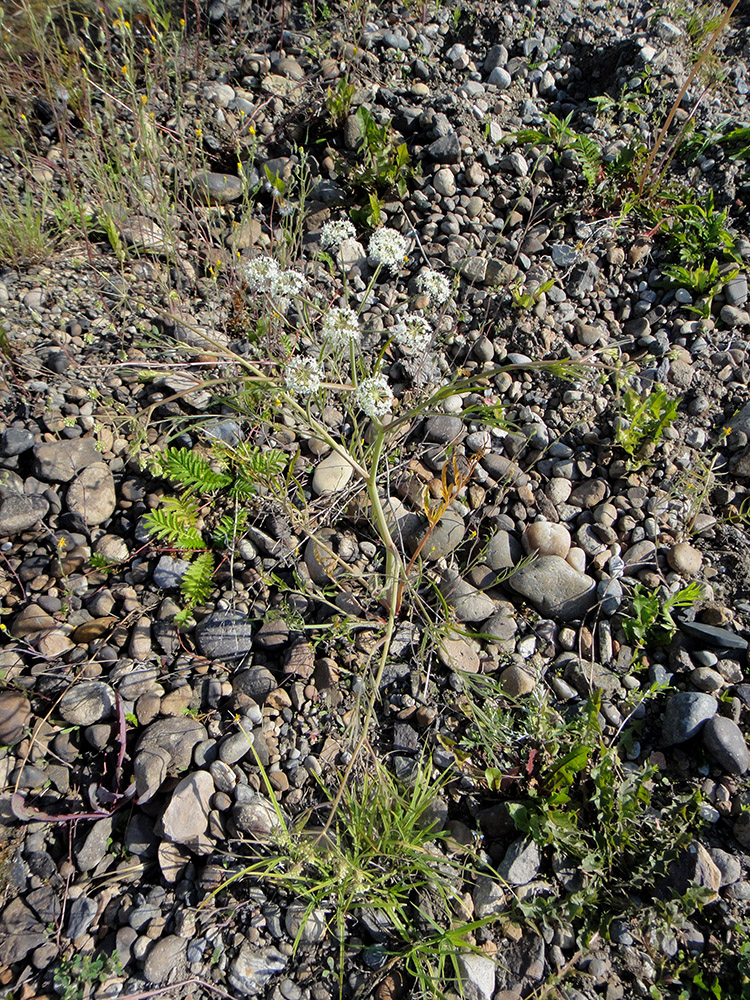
<point>192,471</point>
<point>590,157</point>
<point>197,582</point>
<point>175,524</point>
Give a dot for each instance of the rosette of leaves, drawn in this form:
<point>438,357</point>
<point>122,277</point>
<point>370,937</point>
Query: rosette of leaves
<point>209,514</point>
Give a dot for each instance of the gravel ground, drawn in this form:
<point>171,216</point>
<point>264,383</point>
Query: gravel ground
<point>130,789</point>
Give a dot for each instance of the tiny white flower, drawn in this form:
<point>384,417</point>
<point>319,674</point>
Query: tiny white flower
<point>374,396</point>
<point>284,286</point>
<point>388,247</point>
<point>260,274</point>
<point>412,332</point>
<point>334,233</point>
<point>303,376</point>
<point>435,286</point>
<point>341,327</point>
<point>288,283</point>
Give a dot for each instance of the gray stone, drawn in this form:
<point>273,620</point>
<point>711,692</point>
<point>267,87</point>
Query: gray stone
<point>94,845</point>
<point>443,429</point>
<point>186,817</point>
<point>500,78</point>
<point>474,270</point>
<point>164,958</point>
<point>21,513</point>
<point>331,475</point>
<point>609,594</point>
<point>685,715</point>
<point>503,469</point>
<point>642,555</point>
<point>92,494</point>
<point>253,685</point>
<point>521,862</point>
<point>87,702</point>
<point>310,930</point>
<point>477,975</point>
<point>255,815</point>
<point>165,748</point>
<point>446,537</point>
<point>15,441</point>
<point>60,461</point>
<point>555,588</point>
<point>728,865</point>
<point>224,635</point>
<point>444,182</point>
<point>501,626</point>
<point>467,603</point>
<point>735,291</point>
<point>253,967</point>
<point>236,746</point>
<point>169,571</point>
<point>503,551</point>
<point>20,932</point>
<point>446,149</point>
<point>724,741</point>
<point>81,916</point>
<point>488,897</point>
<point>216,189</point>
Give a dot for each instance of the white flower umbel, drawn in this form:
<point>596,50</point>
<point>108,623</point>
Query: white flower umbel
<point>303,376</point>
<point>374,396</point>
<point>388,247</point>
<point>285,286</point>
<point>333,234</point>
<point>260,274</point>
<point>412,332</point>
<point>435,286</point>
<point>288,283</point>
<point>340,327</point>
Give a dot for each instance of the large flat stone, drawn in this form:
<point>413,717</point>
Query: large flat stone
<point>554,588</point>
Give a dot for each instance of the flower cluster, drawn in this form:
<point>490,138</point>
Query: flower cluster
<point>260,273</point>
<point>341,327</point>
<point>374,396</point>
<point>285,285</point>
<point>303,376</point>
<point>388,247</point>
<point>412,332</point>
<point>435,286</point>
<point>263,274</point>
<point>333,234</point>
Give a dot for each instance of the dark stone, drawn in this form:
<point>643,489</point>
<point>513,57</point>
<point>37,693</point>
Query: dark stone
<point>446,149</point>
<point>712,635</point>
<point>224,635</point>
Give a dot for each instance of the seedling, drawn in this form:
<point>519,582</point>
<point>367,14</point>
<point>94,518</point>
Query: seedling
<point>644,418</point>
<point>77,976</point>
<point>649,622</point>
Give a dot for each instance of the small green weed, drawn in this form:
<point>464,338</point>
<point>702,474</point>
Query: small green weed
<point>649,621</point>
<point>339,101</point>
<point>699,231</point>
<point>700,280</point>
<point>382,852</point>
<point>559,136</point>
<point>75,977</point>
<point>644,416</point>
<point>384,163</point>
